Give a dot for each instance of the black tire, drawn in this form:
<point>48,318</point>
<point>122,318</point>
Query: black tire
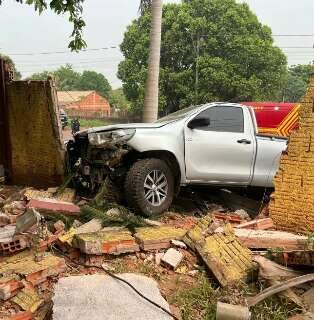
<point>134,186</point>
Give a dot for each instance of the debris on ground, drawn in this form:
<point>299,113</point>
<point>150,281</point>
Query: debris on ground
<point>156,238</point>
<point>51,239</point>
<point>172,258</point>
<point>223,253</point>
<point>51,206</point>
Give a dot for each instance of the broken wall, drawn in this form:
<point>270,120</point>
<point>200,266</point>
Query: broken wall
<point>37,150</point>
<point>292,204</point>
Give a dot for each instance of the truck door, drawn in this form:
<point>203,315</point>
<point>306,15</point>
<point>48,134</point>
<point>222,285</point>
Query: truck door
<point>221,152</point>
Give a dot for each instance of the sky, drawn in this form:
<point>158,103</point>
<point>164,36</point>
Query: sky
<point>25,32</point>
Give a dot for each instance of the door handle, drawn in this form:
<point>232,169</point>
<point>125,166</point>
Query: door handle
<point>244,141</point>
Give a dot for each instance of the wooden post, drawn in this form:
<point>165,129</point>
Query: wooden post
<point>5,146</point>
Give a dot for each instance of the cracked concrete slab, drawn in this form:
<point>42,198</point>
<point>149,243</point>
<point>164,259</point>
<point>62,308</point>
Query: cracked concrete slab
<point>100,297</point>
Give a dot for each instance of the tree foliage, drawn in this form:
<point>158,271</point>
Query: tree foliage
<point>297,82</point>
<point>17,74</point>
<point>68,79</point>
<point>73,8</point>
<point>119,101</point>
<point>91,80</point>
<point>222,41</point>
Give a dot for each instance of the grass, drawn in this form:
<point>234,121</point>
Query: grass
<point>89,123</point>
<point>200,300</point>
<point>196,302</point>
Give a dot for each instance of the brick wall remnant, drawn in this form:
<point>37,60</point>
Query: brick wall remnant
<point>292,204</point>
<point>36,139</point>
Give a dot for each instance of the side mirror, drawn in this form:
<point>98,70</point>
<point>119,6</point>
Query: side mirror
<point>198,122</point>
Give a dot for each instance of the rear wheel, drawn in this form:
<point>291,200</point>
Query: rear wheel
<point>149,186</point>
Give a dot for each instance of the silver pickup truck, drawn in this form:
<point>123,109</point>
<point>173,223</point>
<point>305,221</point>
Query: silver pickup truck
<point>213,144</point>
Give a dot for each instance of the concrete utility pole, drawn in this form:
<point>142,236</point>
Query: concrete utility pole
<point>151,100</point>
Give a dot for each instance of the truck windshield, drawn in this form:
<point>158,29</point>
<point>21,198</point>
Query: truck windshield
<point>178,114</point>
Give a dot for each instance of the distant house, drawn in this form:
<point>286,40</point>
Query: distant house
<point>87,104</point>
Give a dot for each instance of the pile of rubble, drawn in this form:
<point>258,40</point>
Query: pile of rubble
<point>37,248</point>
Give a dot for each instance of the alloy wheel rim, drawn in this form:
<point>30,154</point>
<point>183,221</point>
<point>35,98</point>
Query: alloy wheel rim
<point>156,188</point>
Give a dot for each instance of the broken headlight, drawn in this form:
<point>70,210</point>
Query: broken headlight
<point>116,136</point>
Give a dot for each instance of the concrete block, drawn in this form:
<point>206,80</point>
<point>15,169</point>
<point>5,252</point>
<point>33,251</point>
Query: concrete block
<point>172,258</point>
<point>156,238</point>
<point>50,206</point>
<point>103,242</point>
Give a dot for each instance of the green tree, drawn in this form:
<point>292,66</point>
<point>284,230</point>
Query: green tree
<point>73,8</point>
<point>68,79</point>
<point>297,82</point>
<point>41,75</point>
<point>211,50</point>
<point>119,101</point>
<point>17,74</point>
<point>91,80</point>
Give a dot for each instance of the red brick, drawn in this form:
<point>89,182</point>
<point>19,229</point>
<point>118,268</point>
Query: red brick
<point>27,315</point>
<point>53,206</point>
<point>258,224</point>
<point>18,243</point>
<point>232,218</point>
<point>9,288</point>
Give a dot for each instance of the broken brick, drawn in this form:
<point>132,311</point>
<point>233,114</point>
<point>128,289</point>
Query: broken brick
<point>59,226</point>
<point>15,244</point>
<point>24,265</point>
<point>264,239</point>
<point>106,242</point>
<point>156,238</point>
<point>67,195</point>
<point>9,287</point>
<point>50,206</point>
<point>28,299</point>
<point>224,255</point>
<point>258,224</point>
<point>27,315</point>
<point>231,218</point>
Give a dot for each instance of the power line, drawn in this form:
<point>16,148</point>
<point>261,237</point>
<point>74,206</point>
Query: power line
<point>60,52</point>
<point>295,47</point>
<point>293,35</point>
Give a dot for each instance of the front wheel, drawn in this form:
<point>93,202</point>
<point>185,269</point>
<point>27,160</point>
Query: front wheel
<point>149,186</point>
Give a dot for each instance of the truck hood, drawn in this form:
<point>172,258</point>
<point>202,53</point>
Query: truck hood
<point>124,126</point>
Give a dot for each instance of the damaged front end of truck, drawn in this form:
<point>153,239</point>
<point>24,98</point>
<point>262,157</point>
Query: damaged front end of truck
<point>94,156</point>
